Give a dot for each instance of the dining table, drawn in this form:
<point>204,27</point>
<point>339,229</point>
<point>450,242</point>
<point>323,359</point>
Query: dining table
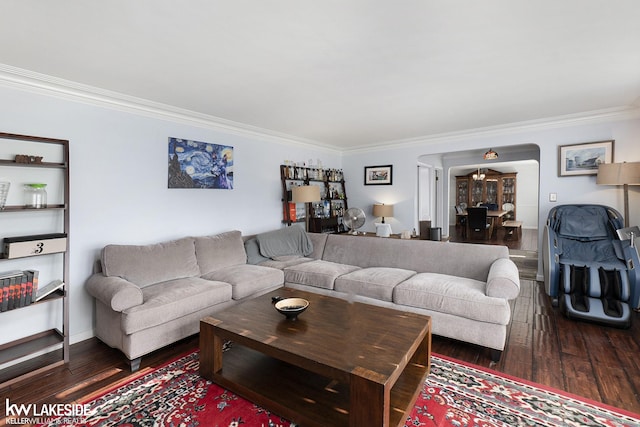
<point>493,215</point>
<point>490,214</point>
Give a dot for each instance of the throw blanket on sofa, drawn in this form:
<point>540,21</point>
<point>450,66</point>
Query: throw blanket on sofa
<point>285,241</point>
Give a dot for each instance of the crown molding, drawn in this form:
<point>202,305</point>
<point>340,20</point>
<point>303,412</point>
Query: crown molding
<point>591,117</point>
<point>31,81</point>
<point>19,78</point>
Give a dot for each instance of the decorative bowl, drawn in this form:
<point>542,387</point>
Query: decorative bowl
<point>291,307</point>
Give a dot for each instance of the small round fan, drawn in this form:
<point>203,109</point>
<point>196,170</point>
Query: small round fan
<point>354,218</point>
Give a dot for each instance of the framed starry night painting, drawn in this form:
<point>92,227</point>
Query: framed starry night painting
<point>195,164</point>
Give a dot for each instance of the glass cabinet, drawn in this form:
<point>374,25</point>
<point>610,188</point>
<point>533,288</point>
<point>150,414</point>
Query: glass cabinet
<point>497,188</point>
<point>462,192</point>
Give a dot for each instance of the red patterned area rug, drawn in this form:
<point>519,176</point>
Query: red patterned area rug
<point>454,394</point>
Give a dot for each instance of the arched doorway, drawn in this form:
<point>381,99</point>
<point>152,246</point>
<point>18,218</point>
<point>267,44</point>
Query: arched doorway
<point>525,156</point>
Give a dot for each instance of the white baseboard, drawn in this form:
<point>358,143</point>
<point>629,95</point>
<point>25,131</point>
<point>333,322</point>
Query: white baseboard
<point>82,336</point>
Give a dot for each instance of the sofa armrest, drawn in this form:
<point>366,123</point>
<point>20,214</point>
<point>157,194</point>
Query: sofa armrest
<point>114,292</point>
<point>503,280</point>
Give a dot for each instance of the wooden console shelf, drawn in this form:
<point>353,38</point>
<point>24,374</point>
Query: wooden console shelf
<point>23,208</point>
<point>51,346</point>
<point>326,214</point>
<point>41,342</point>
<point>5,162</point>
<point>31,344</point>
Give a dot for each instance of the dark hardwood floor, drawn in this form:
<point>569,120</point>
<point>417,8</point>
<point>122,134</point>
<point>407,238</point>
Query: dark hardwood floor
<point>528,241</point>
<point>597,362</point>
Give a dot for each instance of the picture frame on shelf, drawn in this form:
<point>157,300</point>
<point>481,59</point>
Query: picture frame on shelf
<point>584,158</point>
<point>378,175</point>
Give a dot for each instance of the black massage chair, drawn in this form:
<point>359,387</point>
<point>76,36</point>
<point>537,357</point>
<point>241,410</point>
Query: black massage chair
<point>588,270</point>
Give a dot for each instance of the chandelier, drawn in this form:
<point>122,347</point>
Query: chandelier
<point>478,176</point>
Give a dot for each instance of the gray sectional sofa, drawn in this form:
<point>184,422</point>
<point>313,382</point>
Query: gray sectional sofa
<point>465,288</point>
<point>152,295</point>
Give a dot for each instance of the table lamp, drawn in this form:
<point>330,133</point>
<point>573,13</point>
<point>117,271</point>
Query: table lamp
<point>305,194</point>
<point>624,174</point>
<point>382,210</point>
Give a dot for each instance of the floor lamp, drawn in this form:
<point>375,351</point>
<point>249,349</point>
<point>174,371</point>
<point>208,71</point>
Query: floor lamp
<point>305,194</point>
<point>624,174</point>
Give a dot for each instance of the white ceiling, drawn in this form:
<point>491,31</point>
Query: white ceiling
<point>344,73</point>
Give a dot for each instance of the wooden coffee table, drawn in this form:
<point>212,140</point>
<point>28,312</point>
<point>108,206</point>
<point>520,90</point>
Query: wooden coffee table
<point>338,364</point>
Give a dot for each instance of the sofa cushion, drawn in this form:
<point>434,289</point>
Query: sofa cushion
<point>253,252</point>
<point>247,280</point>
<point>149,264</point>
<point>171,300</point>
<point>281,264</point>
<point>423,256</point>
<point>374,282</point>
<point>319,240</point>
<point>318,273</point>
<point>453,295</point>
<point>219,251</point>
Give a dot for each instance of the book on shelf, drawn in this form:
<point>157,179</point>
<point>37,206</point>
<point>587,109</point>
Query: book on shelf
<point>7,281</point>
<point>289,212</point>
<point>50,288</point>
<point>14,292</point>
<point>5,293</point>
<point>32,286</point>
<point>17,289</point>
<point>22,295</point>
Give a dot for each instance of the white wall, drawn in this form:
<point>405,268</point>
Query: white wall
<point>119,180</point>
<point>577,189</point>
<point>527,193</point>
<point>118,188</point>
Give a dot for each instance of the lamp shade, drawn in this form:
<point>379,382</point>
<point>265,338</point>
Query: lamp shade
<point>382,210</point>
<point>619,173</point>
<point>305,194</point>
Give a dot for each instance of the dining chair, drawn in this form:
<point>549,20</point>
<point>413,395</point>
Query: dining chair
<point>479,223</point>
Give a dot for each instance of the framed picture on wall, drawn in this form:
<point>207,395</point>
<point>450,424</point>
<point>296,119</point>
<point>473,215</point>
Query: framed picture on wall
<point>195,164</point>
<point>583,159</point>
<point>378,175</point>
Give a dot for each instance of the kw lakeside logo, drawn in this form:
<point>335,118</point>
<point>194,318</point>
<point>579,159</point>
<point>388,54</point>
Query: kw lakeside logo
<point>30,413</point>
